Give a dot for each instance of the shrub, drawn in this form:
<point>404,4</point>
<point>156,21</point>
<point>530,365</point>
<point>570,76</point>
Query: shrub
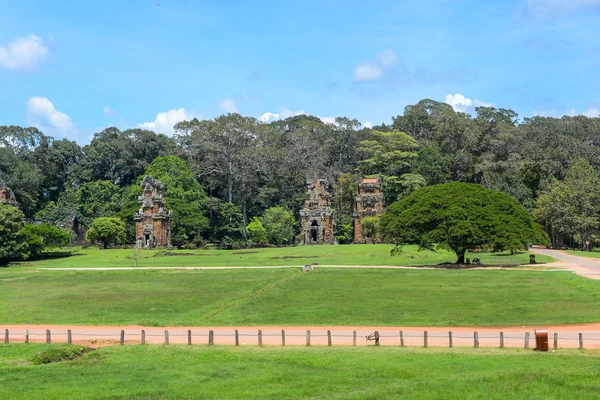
<point>60,353</point>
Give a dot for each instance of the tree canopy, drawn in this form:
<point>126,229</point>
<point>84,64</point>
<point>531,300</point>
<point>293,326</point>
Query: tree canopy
<point>459,216</point>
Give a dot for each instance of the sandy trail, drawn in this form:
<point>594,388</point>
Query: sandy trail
<point>296,335</point>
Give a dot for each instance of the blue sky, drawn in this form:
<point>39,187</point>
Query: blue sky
<point>72,68</point>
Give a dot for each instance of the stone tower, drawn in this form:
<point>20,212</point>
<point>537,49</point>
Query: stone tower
<point>368,203</point>
<point>153,220</point>
<point>6,195</point>
<point>316,218</point>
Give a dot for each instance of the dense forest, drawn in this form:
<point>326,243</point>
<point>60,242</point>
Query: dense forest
<point>222,174</point>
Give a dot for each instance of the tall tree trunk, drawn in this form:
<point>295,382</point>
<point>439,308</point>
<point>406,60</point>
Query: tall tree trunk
<point>230,180</point>
<point>245,214</point>
<point>461,256</point>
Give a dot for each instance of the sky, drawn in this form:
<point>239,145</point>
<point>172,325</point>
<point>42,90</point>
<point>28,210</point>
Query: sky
<point>73,68</point>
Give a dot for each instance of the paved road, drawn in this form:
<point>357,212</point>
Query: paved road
<point>587,267</point>
<point>294,335</point>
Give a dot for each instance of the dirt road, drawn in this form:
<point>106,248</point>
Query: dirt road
<point>295,335</point>
<point>586,267</point>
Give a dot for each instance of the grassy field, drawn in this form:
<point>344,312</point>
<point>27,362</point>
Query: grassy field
<point>325,296</point>
<point>160,372</point>
<point>589,254</point>
<point>365,254</point>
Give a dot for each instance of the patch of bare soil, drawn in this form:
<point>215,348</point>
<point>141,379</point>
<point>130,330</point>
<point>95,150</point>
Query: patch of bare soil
<point>469,266</point>
<point>290,257</point>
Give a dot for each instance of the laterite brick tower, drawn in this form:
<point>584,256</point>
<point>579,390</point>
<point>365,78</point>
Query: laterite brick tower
<point>316,218</point>
<point>368,203</point>
<point>153,220</point>
<point>6,196</point>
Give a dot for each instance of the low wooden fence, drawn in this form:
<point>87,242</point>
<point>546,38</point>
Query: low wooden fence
<point>374,338</point>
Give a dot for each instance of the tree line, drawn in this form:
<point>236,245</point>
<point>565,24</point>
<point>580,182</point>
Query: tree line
<point>222,175</point>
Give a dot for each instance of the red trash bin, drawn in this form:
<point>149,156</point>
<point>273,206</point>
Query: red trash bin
<point>541,340</point>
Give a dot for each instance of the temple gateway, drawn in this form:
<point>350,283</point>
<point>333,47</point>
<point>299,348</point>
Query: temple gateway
<point>316,218</point>
<point>153,220</point>
<point>368,203</point>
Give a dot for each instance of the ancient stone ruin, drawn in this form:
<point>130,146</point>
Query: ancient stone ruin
<point>6,196</point>
<point>316,218</point>
<point>368,203</point>
<point>153,220</point>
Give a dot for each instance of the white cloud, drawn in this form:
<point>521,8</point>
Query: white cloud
<point>228,106</point>
<point>283,113</point>
<point>458,102</point>
<point>269,117</point>
<point>367,71</point>
<point>108,112</point>
<point>42,114</point>
<point>591,112</point>
<point>165,121</point>
<point>327,120</point>
<point>23,53</point>
<point>387,58</point>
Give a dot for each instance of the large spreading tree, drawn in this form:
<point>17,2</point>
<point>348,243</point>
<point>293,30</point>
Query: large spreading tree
<point>459,216</point>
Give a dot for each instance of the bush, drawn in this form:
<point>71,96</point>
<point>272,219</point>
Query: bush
<point>107,230</point>
<point>60,353</point>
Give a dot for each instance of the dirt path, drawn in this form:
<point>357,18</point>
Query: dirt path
<point>296,335</point>
<point>583,266</point>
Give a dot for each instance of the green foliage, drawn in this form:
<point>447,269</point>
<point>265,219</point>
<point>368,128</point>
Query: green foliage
<point>44,236</point>
<point>279,225</point>
<point>458,216</point>
<point>59,353</point>
<point>344,228</point>
<point>570,209</point>
<point>184,196</point>
<point>230,229</point>
<point>188,221</point>
<point>179,181</point>
<point>107,230</point>
<point>256,231</point>
<point>369,227</point>
<point>433,166</point>
<point>387,153</point>
<point>97,199</point>
<point>12,244</point>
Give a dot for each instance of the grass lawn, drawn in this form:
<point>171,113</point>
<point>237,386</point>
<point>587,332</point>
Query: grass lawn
<point>365,254</point>
<point>589,254</point>
<point>159,372</point>
<point>289,297</point>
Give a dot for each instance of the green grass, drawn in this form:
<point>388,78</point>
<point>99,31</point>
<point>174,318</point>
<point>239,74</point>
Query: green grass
<point>159,372</point>
<point>365,254</point>
<point>589,254</point>
<point>325,296</point>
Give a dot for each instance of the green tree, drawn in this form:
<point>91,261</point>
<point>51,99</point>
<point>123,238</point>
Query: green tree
<point>44,236</point>
<point>369,227</point>
<point>230,229</point>
<point>178,179</point>
<point>256,231</point>
<point>97,199</point>
<point>279,225</point>
<point>184,196</point>
<point>457,216</point>
<point>387,153</point>
<point>107,230</point>
<point>570,209</point>
<point>12,244</point>
<point>188,222</point>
